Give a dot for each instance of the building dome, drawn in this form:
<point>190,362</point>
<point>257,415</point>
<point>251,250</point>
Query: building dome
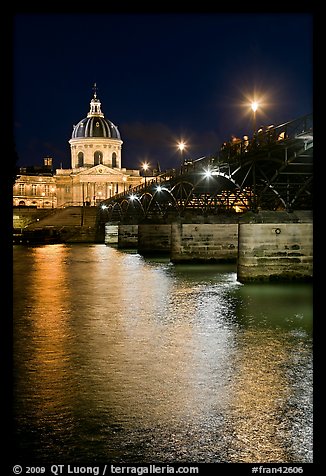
<point>95,127</point>
<point>95,124</point>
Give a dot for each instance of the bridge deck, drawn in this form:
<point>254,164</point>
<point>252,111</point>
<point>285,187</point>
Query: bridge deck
<point>271,171</point>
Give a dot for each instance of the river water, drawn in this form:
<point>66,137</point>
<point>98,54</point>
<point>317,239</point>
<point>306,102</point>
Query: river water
<point>121,358</point>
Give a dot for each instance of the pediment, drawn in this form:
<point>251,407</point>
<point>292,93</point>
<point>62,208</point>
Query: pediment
<point>100,170</point>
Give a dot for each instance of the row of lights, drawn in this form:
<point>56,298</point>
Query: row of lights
<point>254,105</point>
<point>181,145</point>
<point>207,174</point>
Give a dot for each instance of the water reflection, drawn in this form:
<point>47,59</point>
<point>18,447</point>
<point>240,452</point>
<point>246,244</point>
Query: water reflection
<point>126,359</point>
<point>274,355</point>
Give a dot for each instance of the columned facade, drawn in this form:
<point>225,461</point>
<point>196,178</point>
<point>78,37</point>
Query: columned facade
<point>92,151</point>
<point>95,174</point>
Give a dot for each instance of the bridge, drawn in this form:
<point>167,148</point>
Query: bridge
<point>271,171</point>
<point>250,203</point>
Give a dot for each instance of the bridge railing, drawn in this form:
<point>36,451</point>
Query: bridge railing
<point>229,152</point>
<point>166,176</point>
<point>265,137</point>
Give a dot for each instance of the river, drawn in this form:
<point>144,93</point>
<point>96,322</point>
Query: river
<point>121,358</point>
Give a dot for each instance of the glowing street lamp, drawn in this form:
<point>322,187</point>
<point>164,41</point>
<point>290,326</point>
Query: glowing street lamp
<point>254,107</point>
<point>145,167</point>
<point>181,147</point>
<point>208,173</point>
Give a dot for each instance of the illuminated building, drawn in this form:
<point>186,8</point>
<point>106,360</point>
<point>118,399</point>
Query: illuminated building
<point>95,173</point>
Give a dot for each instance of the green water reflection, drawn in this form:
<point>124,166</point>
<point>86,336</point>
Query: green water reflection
<point>125,359</point>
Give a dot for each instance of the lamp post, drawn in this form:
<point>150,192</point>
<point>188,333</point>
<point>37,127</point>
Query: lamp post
<point>181,147</point>
<point>145,166</point>
<point>254,107</point>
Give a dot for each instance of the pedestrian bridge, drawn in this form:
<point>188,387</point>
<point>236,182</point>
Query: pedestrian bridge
<point>271,171</point>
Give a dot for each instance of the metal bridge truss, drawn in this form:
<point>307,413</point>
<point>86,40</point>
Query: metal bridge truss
<point>272,171</point>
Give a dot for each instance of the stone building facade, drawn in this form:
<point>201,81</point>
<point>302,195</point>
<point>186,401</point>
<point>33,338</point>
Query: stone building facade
<point>95,174</point>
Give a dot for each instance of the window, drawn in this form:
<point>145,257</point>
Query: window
<point>34,189</point>
<point>114,159</point>
<point>21,189</point>
<point>80,158</point>
<point>98,157</point>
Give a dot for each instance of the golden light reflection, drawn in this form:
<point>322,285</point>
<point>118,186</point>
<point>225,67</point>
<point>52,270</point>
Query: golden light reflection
<point>147,363</point>
<point>129,380</point>
<point>48,313</point>
<point>260,391</point>
<point>108,340</point>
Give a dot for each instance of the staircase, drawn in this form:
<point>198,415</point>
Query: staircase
<point>65,225</point>
<point>69,216</point>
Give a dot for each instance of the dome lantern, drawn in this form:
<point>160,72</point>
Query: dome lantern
<point>95,124</point>
<point>95,104</point>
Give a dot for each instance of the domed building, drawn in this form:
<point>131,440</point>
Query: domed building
<point>95,140</point>
<point>95,174</point>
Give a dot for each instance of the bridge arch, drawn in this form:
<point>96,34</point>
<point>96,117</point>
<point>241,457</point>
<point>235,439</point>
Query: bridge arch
<point>270,174</point>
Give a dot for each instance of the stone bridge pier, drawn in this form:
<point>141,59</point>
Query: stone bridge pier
<point>275,246</point>
<point>266,246</point>
<point>209,239</point>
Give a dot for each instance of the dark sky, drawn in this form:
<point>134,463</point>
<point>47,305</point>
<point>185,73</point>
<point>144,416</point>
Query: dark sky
<point>160,78</point>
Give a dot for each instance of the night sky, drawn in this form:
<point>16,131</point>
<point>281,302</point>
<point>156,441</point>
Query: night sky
<point>160,78</point>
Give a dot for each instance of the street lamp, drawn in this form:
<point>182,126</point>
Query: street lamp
<point>181,147</point>
<point>208,173</point>
<point>145,167</point>
<point>254,107</point>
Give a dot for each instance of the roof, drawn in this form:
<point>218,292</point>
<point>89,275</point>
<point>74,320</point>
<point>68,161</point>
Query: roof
<point>95,124</point>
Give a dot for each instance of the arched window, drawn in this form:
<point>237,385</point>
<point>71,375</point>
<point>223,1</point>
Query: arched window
<point>80,159</point>
<point>98,157</point>
<point>114,159</point>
